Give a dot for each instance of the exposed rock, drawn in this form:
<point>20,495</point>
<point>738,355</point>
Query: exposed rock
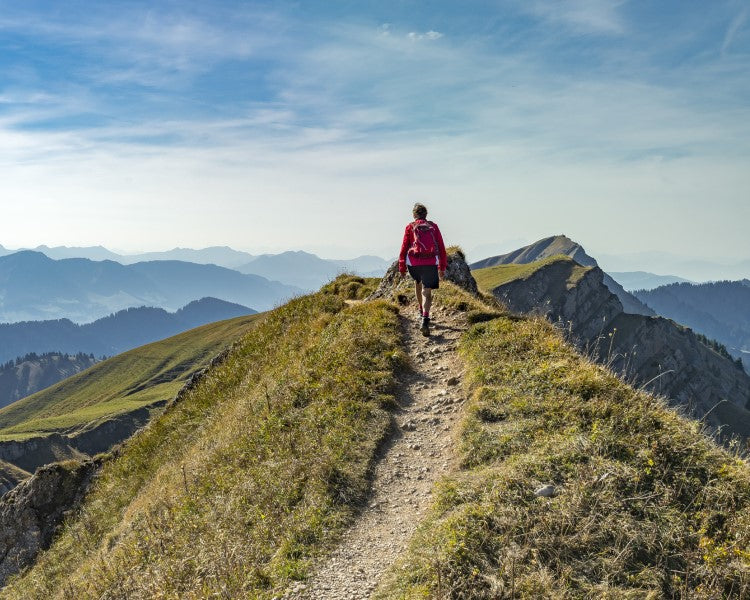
<point>31,513</point>
<point>457,272</point>
<point>653,352</point>
<point>10,476</point>
<point>561,244</point>
<point>546,491</point>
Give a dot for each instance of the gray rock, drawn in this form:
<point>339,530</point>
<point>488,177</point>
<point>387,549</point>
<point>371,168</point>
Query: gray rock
<point>457,271</point>
<point>31,513</point>
<point>546,491</point>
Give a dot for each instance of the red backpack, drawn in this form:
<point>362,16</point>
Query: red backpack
<point>425,244</point>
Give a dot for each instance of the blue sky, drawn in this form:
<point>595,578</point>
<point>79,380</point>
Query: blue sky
<point>316,125</point>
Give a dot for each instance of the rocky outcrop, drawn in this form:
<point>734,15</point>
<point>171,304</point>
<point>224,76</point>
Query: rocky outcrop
<point>31,514</point>
<point>562,245</point>
<point>32,453</point>
<point>10,476</point>
<point>457,272</point>
<point>652,352</point>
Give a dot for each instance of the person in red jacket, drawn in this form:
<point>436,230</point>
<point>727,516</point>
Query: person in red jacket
<point>423,254</point>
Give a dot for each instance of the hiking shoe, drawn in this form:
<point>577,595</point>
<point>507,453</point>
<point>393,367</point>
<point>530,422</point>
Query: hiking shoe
<point>425,329</point>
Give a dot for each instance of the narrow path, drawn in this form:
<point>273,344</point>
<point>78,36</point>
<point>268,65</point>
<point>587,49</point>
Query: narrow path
<point>421,450</point>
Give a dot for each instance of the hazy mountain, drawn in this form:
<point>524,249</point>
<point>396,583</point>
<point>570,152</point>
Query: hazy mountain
<point>309,271</point>
<point>561,244</point>
<point>28,374</point>
<point>90,252</point>
<point>222,256</point>
<point>4,251</point>
<point>33,287</point>
<point>719,310</point>
<point>691,268</point>
<point>116,333</point>
<point>643,280</point>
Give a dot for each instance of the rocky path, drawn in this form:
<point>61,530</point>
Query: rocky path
<point>420,451</point>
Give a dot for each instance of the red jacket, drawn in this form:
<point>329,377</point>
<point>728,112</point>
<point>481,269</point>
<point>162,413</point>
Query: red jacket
<point>406,257</point>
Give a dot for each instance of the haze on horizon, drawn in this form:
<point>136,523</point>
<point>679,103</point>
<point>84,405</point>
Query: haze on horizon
<point>268,126</point>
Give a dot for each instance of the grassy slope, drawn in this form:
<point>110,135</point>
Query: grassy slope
<point>231,491</point>
<point>125,382</point>
<point>647,507</point>
<point>492,277</point>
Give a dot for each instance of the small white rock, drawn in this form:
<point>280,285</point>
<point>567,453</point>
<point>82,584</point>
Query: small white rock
<point>546,491</point>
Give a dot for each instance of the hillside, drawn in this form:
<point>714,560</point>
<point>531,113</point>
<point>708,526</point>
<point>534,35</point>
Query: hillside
<point>653,352</point>
<point>121,384</point>
<point>31,373</point>
<point>115,333</point>
<point>719,310</point>
<point>35,287</point>
<point>562,245</point>
<point>262,473</point>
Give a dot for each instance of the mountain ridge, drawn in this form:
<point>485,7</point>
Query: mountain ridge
<point>114,333</point>
<point>654,352</point>
<point>636,501</point>
<point>561,244</point>
<point>33,286</point>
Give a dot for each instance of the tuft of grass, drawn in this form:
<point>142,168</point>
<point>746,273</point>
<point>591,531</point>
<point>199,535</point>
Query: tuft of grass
<point>233,491</point>
<point>351,287</point>
<point>457,250</point>
<point>120,384</point>
<point>645,505</point>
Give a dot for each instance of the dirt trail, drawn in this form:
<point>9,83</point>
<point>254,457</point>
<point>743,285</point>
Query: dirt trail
<point>420,451</point>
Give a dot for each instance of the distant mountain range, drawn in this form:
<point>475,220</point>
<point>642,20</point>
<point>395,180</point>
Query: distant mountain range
<point>114,334</point>
<point>562,245</point>
<point>719,310</point>
<point>34,286</point>
<point>643,280</point>
<point>28,374</point>
<point>300,269</point>
<point>693,269</point>
<point>308,271</point>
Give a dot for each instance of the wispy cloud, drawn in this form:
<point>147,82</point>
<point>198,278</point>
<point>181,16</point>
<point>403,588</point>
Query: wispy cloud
<point>314,115</point>
<point>587,16</point>
<point>428,35</point>
<point>732,30</point>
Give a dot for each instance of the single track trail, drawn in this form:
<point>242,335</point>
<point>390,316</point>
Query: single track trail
<point>419,452</point>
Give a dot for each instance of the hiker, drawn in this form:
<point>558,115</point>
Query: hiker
<point>423,254</point>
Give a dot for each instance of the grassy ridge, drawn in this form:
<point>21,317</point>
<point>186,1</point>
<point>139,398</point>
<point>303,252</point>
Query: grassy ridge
<point>232,490</point>
<point>122,383</point>
<point>646,507</point>
<point>489,278</point>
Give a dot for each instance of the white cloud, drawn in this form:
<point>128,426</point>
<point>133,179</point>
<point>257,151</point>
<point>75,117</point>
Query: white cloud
<point>428,35</point>
<point>362,119</point>
<point>587,16</point>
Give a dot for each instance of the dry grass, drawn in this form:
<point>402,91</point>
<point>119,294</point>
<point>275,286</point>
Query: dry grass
<point>234,490</point>
<point>646,506</point>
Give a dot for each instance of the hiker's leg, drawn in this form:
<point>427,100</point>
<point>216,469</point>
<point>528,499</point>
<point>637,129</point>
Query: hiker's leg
<point>418,292</point>
<point>427,295</point>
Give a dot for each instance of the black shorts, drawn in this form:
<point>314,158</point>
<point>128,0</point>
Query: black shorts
<point>427,275</point>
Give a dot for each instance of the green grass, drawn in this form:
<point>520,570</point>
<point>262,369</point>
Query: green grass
<point>647,507</point>
<point>351,287</point>
<point>125,382</point>
<point>491,277</point>
<point>235,489</point>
